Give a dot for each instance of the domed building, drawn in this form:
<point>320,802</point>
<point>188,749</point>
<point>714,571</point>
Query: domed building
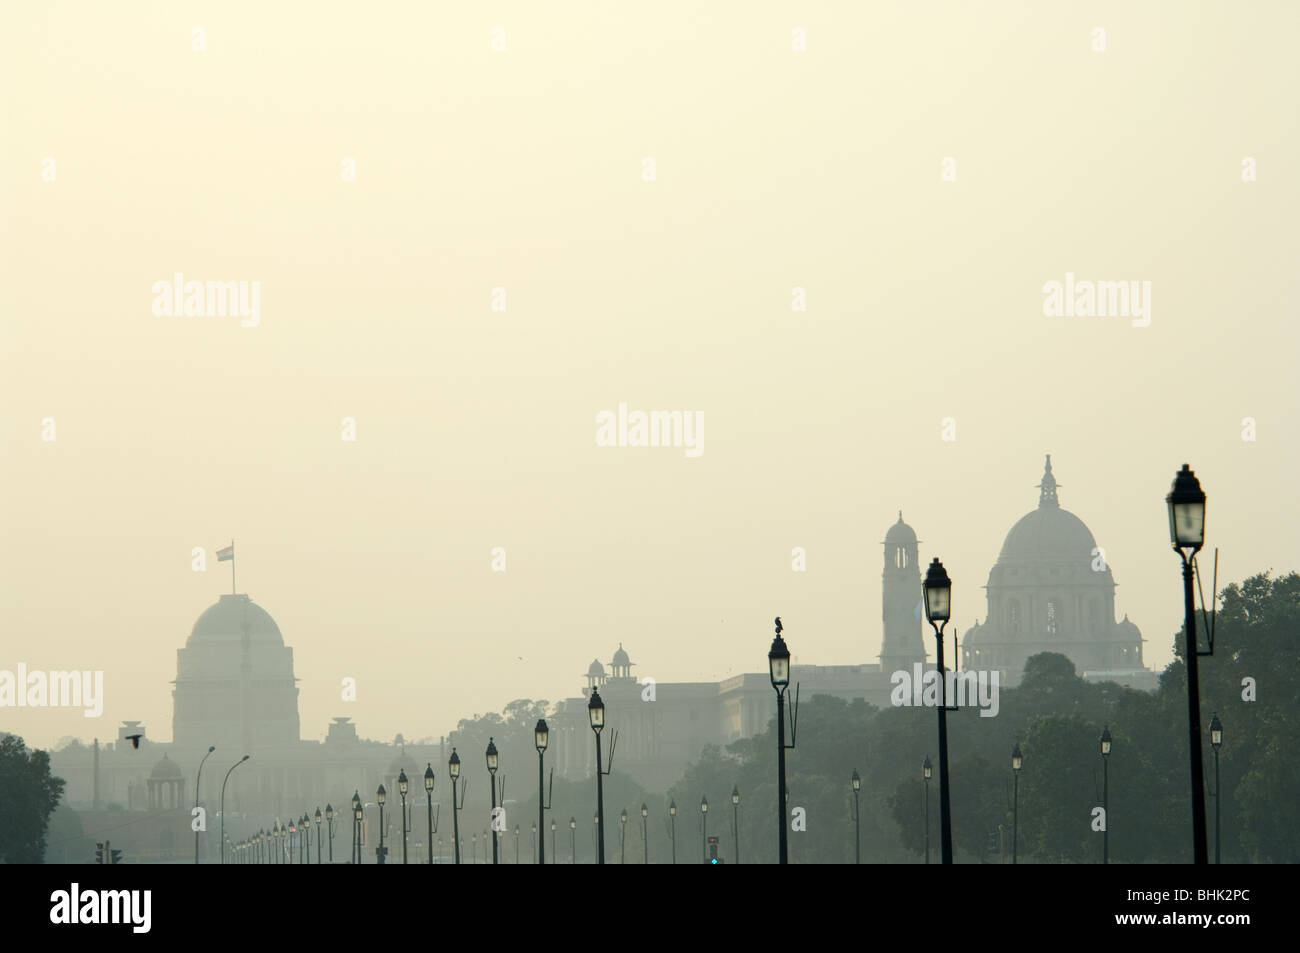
<point>234,682</point>
<point>902,644</point>
<point>1052,591</point>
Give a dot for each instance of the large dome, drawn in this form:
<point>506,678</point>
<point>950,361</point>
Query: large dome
<point>224,622</point>
<point>1048,534</point>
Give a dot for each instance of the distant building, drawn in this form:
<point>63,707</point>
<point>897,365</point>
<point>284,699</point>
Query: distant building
<point>1051,590</point>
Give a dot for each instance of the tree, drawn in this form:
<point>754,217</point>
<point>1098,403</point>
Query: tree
<point>28,795</point>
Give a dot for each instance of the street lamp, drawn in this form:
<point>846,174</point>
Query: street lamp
<point>492,763</point>
<point>645,839</point>
<point>573,840</point>
<point>197,779</point>
<point>329,822</point>
<point>938,609</point>
<point>356,827</point>
<point>735,819</point>
<point>622,837</point>
<point>306,827</point>
<point>223,805</point>
<point>704,829</point>
<point>428,799</point>
<point>516,842</point>
<point>533,828</point>
<point>672,820</point>
<point>402,784</point>
<point>1016,761</point>
<point>856,781</point>
<point>1216,739</point>
<point>925,773</point>
<point>1105,794</point>
<point>380,797</point>
<point>596,714</point>
<point>1186,502</point>
<point>553,826</point>
<point>541,737</point>
<point>453,769</point>
<point>778,664</point>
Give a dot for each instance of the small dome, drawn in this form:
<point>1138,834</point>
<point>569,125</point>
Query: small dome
<point>165,770</point>
<point>595,669</point>
<point>1127,628</point>
<point>620,657</point>
<point>900,534</point>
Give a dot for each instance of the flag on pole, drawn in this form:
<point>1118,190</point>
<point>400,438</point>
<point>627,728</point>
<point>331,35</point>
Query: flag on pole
<point>225,554</point>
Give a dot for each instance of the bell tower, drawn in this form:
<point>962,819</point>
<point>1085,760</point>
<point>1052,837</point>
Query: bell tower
<point>903,645</point>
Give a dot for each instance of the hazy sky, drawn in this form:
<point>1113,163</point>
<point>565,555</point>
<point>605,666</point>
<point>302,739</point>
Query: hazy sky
<point>523,169</point>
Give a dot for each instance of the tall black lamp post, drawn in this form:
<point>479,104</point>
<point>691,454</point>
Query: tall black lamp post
<point>1216,739</point>
<point>1186,502</point>
<point>1105,794</point>
<point>329,823</point>
<point>596,714</point>
<point>1016,761</point>
<point>938,609</point>
<point>645,832</point>
<point>453,769</point>
<point>925,774</point>
<point>403,783</point>
<point>493,760</point>
<point>541,736</point>
<point>622,837</point>
<point>856,781</point>
<point>553,850</point>
<point>428,801</point>
<point>735,819</point>
<point>380,852</point>
<point>357,813</point>
<point>573,840</point>
<point>704,829</point>
<point>778,664</point>
<point>672,821</point>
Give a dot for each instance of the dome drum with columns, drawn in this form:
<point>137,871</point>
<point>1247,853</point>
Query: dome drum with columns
<point>1051,591</point>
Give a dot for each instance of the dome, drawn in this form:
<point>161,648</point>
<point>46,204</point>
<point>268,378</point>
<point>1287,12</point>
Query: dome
<point>1127,628</point>
<point>620,657</point>
<point>165,770</point>
<point>1049,533</point>
<point>224,621</point>
<point>900,534</point>
<point>595,669</point>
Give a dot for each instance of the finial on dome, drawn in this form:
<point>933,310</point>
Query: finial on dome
<point>1047,489</point>
<point>900,516</point>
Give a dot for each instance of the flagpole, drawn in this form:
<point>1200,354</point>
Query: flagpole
<point>233,590</point>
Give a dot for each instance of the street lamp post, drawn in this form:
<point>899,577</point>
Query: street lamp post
<point>672,820</point>
<point>223,805</point>
<point>856,781</point>
<point>1016,762</point>
<point>704,829</point>
<point>573,840</point>
<point>380,852</point>
<point>778,664</point>
<point>541,737</point>
<point>553,851</point>
<point>622,837</point>
<point>453,769</point>
<point>925,774</point>
<point>1216,739</point>
<point>492,763</point>
<point>1186,502</point>
<point>356,827</point>
<point>596,714</point>
<point>516,842</point>
<point>198,778</point>
<point>645,832</point>
<point>403,783</point>
<point>329,823</point>
<point>306,827</point>
<point>533,827</point>
<point>1105,794</point>
<point>428,800</point>
<point>735,819</point>
<point>938,609</point>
